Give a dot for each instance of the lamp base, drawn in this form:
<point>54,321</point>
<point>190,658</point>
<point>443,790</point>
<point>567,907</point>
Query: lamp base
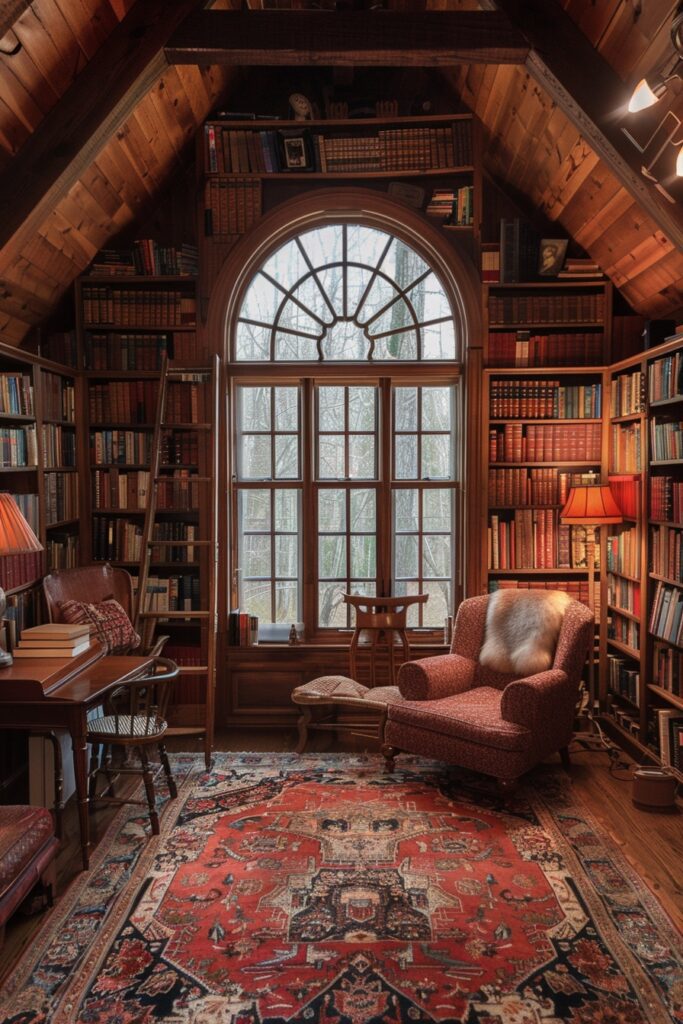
<point>6,659</point>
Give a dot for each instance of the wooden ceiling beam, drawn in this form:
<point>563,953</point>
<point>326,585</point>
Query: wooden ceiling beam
<point>592,97</point>
<point>347,39</point>
<point>84,120</point>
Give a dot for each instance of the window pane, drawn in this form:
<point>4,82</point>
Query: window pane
<point>293,347</point>
<point>286,605</point>
<point>253,343</point>
<point>331,461</point>
<point>438,341</point>
<point>255,407</point>
<point>331,408</point>
<point>256,461</point>
<point>365,245</point>
<point>286,408</point>
<point>255,510</point>
<point>436,457</point>
<point>405,510</point>
<point>286,511</point>
<point>393,319</point>
<point>323,245</point>
<point>429,299</point>
<point>261,301</point>
<point>255,598</point>
<point>437,510</point>
<point>381,293</point>
<point>286,264</point>
<point>331,511</point>
<point>436,408</point>
<point>363,556</point>
<point>406,556</point>
<point>256,555</point>
<point>439,604</point>
<point>436,556</point>
<point>405,408</point>
<point>363,511</point>
<point>331,608</point>
<point>398,346</point>
<point>331,557</point>
<point>286,556</point>
<point>406,457</point>
<point>357,281</point>
<point>362,457</point>
<point>362,408</point>
<point>403,264</point>
<point>286,456</point>
<point>409,588</point>
<point>344,341</point>
<point>294,318</point>
<point>332,283</point>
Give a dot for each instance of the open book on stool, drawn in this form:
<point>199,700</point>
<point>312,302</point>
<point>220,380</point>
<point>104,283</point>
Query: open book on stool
<point>53,640</point>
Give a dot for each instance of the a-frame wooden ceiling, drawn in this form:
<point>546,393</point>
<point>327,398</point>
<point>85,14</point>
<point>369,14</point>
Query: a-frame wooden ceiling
<point>93,122</point>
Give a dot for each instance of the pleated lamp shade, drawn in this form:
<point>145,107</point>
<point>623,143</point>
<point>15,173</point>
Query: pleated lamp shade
<point>591,505</point>
<point>16,536</point>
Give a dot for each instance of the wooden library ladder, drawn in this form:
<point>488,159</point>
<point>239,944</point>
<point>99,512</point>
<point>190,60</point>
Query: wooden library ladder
<point>147,615</point>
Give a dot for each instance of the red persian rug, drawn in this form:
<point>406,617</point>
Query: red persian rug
<point>319,890</point>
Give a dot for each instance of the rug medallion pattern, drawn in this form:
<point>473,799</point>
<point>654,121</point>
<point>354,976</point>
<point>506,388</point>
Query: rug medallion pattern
<point>319,890</point>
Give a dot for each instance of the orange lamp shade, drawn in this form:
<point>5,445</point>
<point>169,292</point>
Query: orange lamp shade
<point>16,536</point>
<point>591,505</point>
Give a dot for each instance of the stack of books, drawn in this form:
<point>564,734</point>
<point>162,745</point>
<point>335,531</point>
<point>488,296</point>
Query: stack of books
<point>580,268</point>
<point>53,640</point>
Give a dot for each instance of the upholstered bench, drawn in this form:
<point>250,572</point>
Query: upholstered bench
<point>27,856</point>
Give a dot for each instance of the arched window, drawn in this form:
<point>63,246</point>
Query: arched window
<point>347,449</point>
<point>345,292</point>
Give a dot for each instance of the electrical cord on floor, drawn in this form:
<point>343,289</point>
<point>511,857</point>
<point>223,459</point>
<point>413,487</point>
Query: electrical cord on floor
<point>615,755</point>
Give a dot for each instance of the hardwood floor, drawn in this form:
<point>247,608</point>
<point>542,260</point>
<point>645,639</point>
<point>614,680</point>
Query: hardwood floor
<point>652,843</point>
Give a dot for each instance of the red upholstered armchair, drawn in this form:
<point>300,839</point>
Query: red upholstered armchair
<point>460,711</point>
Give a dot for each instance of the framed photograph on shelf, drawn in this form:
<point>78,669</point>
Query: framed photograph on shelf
<point>295,152</point>
<point>551,256</point>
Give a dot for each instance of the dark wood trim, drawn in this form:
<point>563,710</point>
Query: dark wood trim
<point>82,122</point>
<point>347,39</point>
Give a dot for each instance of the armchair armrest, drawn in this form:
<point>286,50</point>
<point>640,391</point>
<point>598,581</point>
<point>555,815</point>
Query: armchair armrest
<point>432,678</point>
<point>540,701</point>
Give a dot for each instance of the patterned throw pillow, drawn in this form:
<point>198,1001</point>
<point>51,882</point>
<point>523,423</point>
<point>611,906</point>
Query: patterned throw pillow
<point>108,623</point>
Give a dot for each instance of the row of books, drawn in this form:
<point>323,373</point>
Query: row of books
<point>179,491</point>
<point>59,398</point>
<point>549,442</point>
<point>242,629</point>
<point>23,610</point>
<point>62,347</point>
<point>623,594</point>
<point>174,530</point>
<point>666,440</point>
<point>29,506</point>
<point>665,377</point>
<point>116,540</point>
<point>669,727</point>
<point>666,617</point>
<point>112,488</point>
<point>59,446</point>
<point>125,401</point>
<point>667,669</point>
<point>176,593</point>
<point>666,552</point>
<point>666,499</point>
<point>18,446</point>
<point>61,497</point>
<point>518,251</point>
<point>18,570</point>
<point>623,630</point>
<point>148,258</point>
<point>522,348</point>
<point>16,394</point>
<point>234,151</point>
<point>623,679</point>
<point>544,399</point>
<point>626,718</point>
<point>139,307</point>
<point>623,552</point>
<point>571,308</point>
<point>114,351</point>
<point>453,205</point>
<point>626,491</point>
<point>626,448</point>
<point>186,400</point>
<point>180,447</point>
<point>627,394</point>
<point>122,447</point>
<point>534,539</point>
<point>577,589</point>
<point>547,486</point>
<point>231,206</point>
<point>62,551</point>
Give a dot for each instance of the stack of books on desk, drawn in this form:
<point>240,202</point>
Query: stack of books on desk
<point>53,640</point>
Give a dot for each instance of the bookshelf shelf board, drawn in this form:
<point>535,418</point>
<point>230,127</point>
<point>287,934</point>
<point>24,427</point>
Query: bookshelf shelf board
<point>118,511</point>
<point>515,507</point>
<point>255,124</point>
<point>672,698</point>
<point>60,469</point>
<point>140,328</point>
<point>629,418</point>
<point>187,426</point>
<point>542,372</point>
<point>122,374</point>
<point>61,523</point>
<point>191,670</point>
<point>532,325</point>
<point>587,463</point>
<point>123,279</point>
<point>539,572</point>
<point>458,227</point>
<point>558,419</point>
<point>623,576</point>
<point>620,697</point>
<point>428,172</point>
<point>121,426</point>
<point>624,648</point>
<point>192,614</point>
<point>666,579</point>
<point>18,469</point>
<point>622,611</point>
<point>666,462</point>
<point>10,417</point>
<point>669,643</point>
<point>666,522</point>
<point>172,565</point>
<point>629,738</point>
<point>60,423</point>
<point>119,465</point>
<point>517,285</point>
<point>674,400</point>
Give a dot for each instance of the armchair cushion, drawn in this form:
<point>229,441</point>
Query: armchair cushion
<point>432,678</point>
<point>473,716</point>
<point>537,701</point>
<point>107,620</point>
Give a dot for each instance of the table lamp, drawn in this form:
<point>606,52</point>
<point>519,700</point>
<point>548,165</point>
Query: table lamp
<point>591,505</point>
<point>16,538</point>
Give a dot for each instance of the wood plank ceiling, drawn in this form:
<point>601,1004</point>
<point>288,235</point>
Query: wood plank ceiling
<point>531,147</point>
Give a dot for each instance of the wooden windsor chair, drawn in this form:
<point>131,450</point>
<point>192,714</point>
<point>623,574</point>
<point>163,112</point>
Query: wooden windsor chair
<point>384,620</point>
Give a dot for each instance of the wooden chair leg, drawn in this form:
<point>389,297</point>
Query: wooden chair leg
<point>565,758</point>
<point>59,782</point>
<point>302,725</point>
<point>48,880</point>
<point>389,754</point>
<point>110,774</point>
<point>148,779</point>
<point>92,774</point>
<point>170,781</point>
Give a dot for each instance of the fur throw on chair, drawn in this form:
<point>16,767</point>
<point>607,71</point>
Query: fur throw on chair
<point>522,627</point>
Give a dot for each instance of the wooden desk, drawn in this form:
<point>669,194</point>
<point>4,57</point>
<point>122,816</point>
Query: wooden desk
<point>57,693</point>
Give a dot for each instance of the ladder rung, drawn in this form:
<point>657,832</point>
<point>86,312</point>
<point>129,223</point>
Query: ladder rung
<point>190,670</point>
<point>185,730</point>
<point>179,543</point>
<point>174,615</point>
<point>186,426</point>
<point>179,371</point>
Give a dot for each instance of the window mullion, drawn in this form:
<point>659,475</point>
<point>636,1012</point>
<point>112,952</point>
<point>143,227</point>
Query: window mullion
<point>385,445</point>
<point>309,444</point>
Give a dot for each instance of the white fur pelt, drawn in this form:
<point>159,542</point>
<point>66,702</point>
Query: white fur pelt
<point>522,627</point>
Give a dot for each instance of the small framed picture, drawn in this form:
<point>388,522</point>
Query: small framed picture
<point>551,256</point>
<point>295,153</point>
